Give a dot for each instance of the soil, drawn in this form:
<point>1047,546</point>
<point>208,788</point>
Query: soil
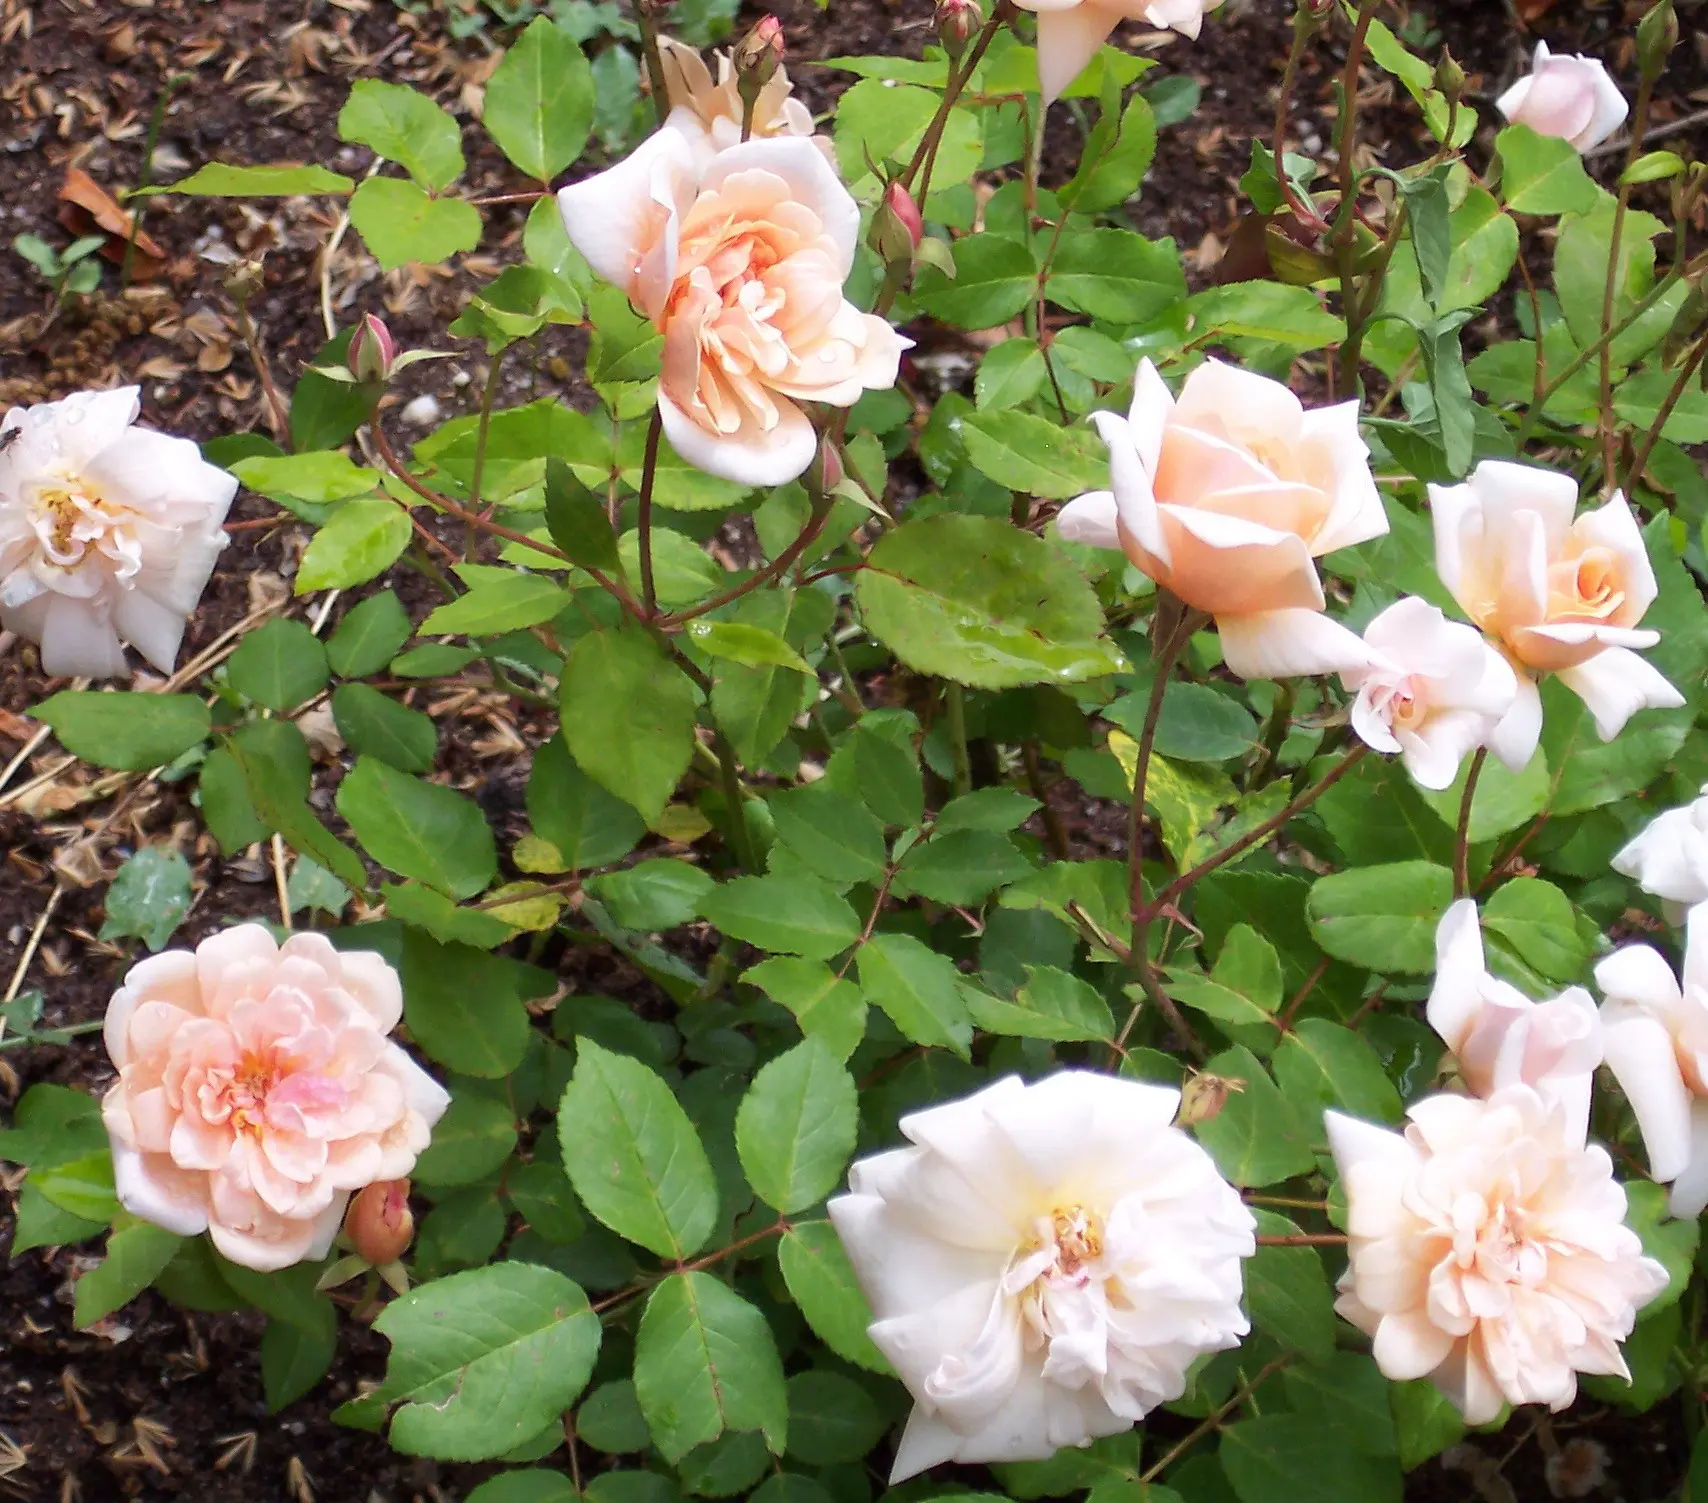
<point>159,1403</point>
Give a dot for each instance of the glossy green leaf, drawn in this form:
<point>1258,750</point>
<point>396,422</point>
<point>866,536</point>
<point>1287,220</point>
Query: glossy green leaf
<point>129,731</point>
<point>796,1127</point>
<point>539,101</point>
<point>628,716</point>
<point>419,829</point>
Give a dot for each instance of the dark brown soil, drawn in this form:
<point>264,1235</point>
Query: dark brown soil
<point>157,1403</point>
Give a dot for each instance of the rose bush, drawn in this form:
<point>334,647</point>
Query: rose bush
<point>942,1117</point>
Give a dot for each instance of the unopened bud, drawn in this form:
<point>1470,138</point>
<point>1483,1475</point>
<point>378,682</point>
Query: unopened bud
<point>1203,1097</point>
<point>1657,35</point>
<point>958,22</point>
<point>378,1222</point>
<point>372,350</point>
<point>897,227</point>
<point>1449,76</point>
<point>758,54</point>
<point>826,472</point>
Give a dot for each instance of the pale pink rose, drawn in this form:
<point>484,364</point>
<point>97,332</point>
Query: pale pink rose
<point>1569,96</point>
<point>1657,1049</point>
<point>1499,1036</point>
<point>1488,1250</point>
<point>1071,31</point>
<point>1558,596</point>
<point>257,1088</point>
<point>739,261</point>
<point>709,113</point>
<point>1226,497</point>
<point>1044,1261</point>
<point>1669,857</point>
<point>1433,693</point>
<point>108,532</point>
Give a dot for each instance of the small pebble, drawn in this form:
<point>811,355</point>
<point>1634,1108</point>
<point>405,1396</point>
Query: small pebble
<point>422,410</point>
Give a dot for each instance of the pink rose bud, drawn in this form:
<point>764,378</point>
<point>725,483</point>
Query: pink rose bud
<point>900,203</point>
<point>372,350</point>
<point>958,22</point>
<point>378,1222</point>
<point>1571,97</point>
<point>759,52</point>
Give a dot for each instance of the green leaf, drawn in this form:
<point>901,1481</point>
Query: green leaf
<point>1543,174</point>
<point>790,915</point>
<point>1381,917</point>
<point>82,1186</point>
<point>539,101</point>
<point>1116,276</point>
<point>402,224</point>
<point>1349,1396</point>
<point>534,1486</point>
<point>832,1420</point>
<point>706,1362</point>
<point>1671,1242</point>
<point>311,887</point>
<point>1287,1292</point>
<point>376,725</point>
<point>986,809</point>
<point>285,180</point>
<point>919,991</point>
<point>827,1008</point>
<point>495,606</point>
<point>294,1358</point>
<point>1053,1004</point>
<point>961,866</point>
<point>1327,1065</point>
<point>486,1359</point>
<point>832,834</point>
<point>1197,725</point>
<point>1257,1137</point>
<point>418,829</point>
<point>1011,374</point>
<point>149,897</point>
<point>577,520</point>
<point>628,716</point>
<point>1022,452</point>
<point>274,761</point>
<point>1279,1458</point>
<point>633,1155</point>
<point>406,127</point>
<point>796,1127</point>
<point>1638,401</point>
<point>38,1222</point>
<point>132,732</point>
<point>1425,1421</point>
<point>888,776</point>
<point>360,540</point>
<point>1110,179</point>
<point>1376,813</point>
<point>821,1280</point>
<point>369,635</point>
<point>467,1009</point>
<point>1535,921</point>
<point>1270,311</point>
<point>610,1420</point>
<point>279,665</point>
<point>226,806</point>
<point>134,1258</point>
<point>751,646</point>
<point>653,895</point>
<point>470,1142</point>
<point>994,280</point>
<point>579,819</point>
<point>978,601</point>
<point>1244,986</point>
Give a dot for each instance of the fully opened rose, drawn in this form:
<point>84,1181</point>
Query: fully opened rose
<point>739,260</point>
<point>1669,857</point>
<point>1433,691</point>
<point>108,532</point>
<point>1498,1035</point>
<point>257,1088</point>
<point>1657,1048</point>
<point>1071,31</point>
<point>1226,497</point>
<point>1559,596</point>
<point>1568,96</point>
<point>1488,1250</point>
<point>1044,1263</point>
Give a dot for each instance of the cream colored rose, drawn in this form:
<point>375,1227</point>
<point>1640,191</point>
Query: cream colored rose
<point>1657,1049</point>
<point>1569,96</point>
<point>1433,692</point>
<point>1558,596</point>
<point>1225,497</point>
<point>1071,31</point>
<point>1499,1036</point>
<point>1045,1262</point>
<point>1488,1250</point>
<point>257,1088</point>
<point>739,261</point>
<point>709,112</point>
<point>1669,857</point>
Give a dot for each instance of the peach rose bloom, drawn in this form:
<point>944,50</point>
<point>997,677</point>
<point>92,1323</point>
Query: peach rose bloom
<point>1071,31</point>
<point>1488,1250</point>
<point>1558,596</point>
<point>1569,96</point>
<point>1657,1049</point>
<point>739,261</point>
<point>257,1088</point>
<point>1226,497</point>
<point>1499,1036</point>
<point>1669,858</point>
<point>709,112</point>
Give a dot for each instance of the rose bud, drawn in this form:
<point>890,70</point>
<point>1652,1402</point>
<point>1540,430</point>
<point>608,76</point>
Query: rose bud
<point>372,351</point>
<point>758,53</point>
<point>378,1222</point>
<point>896,226</point>
<point>958,22</point>
<point>1203,1097</point>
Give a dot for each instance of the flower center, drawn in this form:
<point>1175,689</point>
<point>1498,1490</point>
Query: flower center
<point>1586,588</point>
<point>1495,1243</point>
<point>69,522</point>
<point>246,1095</point>
<point>1060,1263</point>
